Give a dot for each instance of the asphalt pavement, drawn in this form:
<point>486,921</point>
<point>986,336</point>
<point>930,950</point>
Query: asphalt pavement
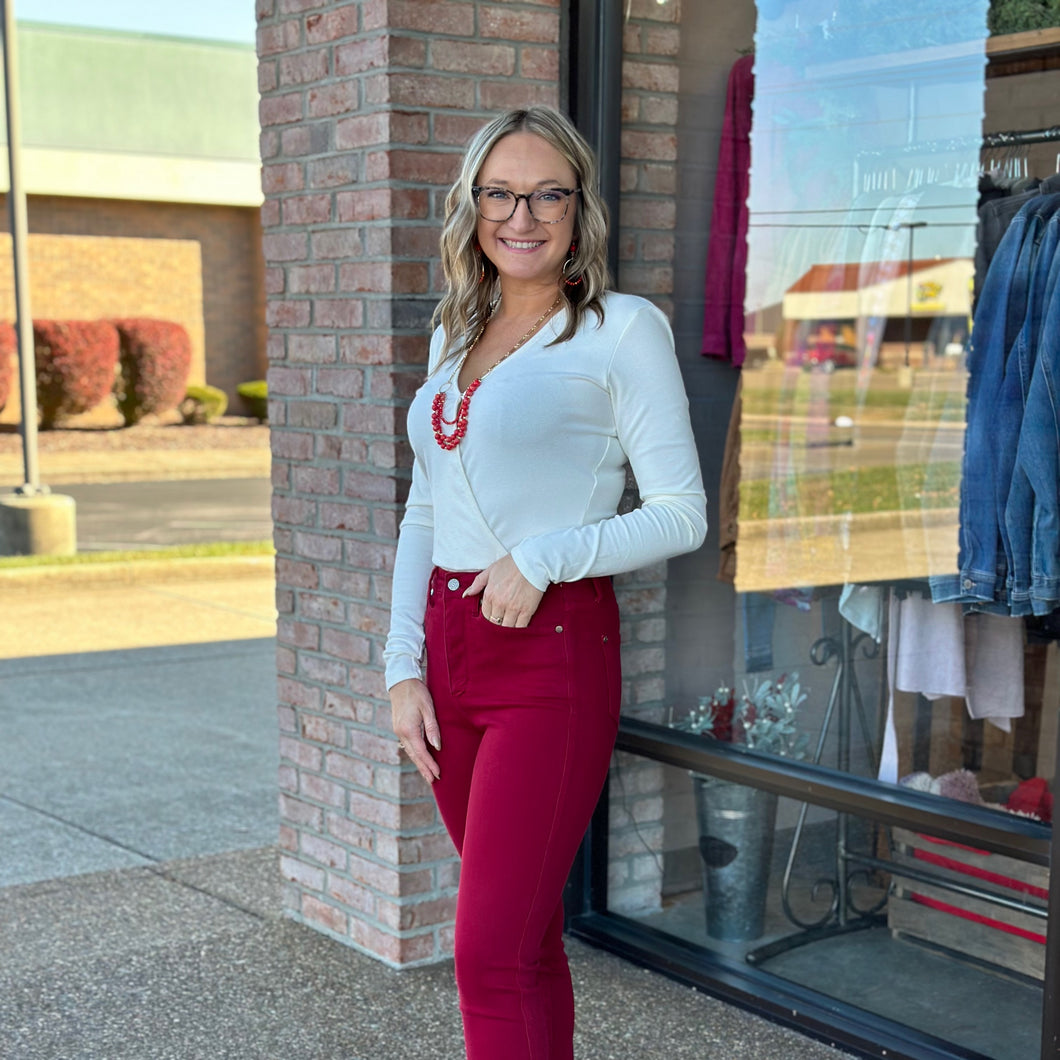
<point>160,513</point>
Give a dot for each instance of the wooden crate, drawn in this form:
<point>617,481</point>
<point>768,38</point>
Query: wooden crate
<point>962,924</point>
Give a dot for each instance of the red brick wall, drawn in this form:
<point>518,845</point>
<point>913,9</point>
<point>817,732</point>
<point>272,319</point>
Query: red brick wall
<point>365,109</point>
<point>648,180</point>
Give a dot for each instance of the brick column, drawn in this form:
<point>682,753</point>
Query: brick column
<point>365,107</point>
<point>646,250</point>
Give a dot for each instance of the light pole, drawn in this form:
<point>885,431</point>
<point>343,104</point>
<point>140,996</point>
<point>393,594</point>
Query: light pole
<point>33,520</point>
<point>16,198</point>
<point>911,225</point>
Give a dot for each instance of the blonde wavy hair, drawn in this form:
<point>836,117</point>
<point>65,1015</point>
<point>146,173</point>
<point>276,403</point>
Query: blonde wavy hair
<point>471,278</point>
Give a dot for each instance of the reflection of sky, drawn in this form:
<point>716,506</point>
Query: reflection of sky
<point>867,121</point>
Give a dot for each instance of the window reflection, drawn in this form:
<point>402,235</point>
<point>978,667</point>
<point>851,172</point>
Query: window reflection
<point>862,217</point>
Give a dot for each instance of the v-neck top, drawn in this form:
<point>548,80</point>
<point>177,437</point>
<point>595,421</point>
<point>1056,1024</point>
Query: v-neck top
<point>542,467</point>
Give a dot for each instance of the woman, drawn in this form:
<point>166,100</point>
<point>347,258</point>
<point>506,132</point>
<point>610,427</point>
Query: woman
<point>542,385</point>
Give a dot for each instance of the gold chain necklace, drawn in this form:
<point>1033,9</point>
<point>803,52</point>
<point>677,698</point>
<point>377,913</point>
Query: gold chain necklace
<point>459,421</point>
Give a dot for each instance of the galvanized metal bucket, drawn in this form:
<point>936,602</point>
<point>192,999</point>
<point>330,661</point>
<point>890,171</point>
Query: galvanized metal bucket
<point>736,825</point>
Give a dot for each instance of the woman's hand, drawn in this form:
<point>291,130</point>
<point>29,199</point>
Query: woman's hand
<point>412,714</point>
<point>508,599</point>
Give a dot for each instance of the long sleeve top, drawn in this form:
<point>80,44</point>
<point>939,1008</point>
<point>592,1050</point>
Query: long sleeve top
<point>541,470</point>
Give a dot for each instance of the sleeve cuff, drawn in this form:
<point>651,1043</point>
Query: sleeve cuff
<point>534,573</point>
<point>402,668</point>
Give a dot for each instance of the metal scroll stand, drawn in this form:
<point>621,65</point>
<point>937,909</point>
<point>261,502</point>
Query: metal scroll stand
<point>844,703</point>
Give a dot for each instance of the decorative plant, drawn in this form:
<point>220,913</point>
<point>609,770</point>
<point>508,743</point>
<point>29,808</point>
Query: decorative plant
<point>76,363</point>
<point>762,717</point>
<point>203,404</point>
<point>255,395</point>
<point>154,362</point>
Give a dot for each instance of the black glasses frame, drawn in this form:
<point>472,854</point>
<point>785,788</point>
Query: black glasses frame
<point>477,189</point>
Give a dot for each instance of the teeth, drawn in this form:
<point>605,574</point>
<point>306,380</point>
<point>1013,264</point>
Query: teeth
<point>522,246</point>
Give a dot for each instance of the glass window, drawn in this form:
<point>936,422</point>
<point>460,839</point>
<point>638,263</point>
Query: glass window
<point>929,934</point>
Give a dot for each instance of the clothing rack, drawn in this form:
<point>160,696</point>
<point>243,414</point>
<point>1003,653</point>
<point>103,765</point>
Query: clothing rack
<point>951,145</point>
<point>842,915</point>
<point>1021,137</point>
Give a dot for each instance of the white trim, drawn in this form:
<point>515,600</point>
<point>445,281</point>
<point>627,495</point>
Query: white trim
<point>112,175</point>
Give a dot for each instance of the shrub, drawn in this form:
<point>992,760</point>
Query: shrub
<point>154,359</point>
<point>8,348</point>
<point>255,395</point>
<point>76,363</point>
<point>203,404</point>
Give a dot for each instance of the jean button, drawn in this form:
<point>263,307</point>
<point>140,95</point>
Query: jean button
<point>967,583</point>
<point>453,583</point>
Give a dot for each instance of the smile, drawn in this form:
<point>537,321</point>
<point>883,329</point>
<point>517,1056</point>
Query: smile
<point>515,244</point>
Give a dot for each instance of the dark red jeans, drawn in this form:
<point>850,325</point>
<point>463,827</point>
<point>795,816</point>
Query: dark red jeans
<point>528,720</point>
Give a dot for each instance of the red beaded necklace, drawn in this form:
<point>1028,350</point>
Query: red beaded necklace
<point>459,421</point>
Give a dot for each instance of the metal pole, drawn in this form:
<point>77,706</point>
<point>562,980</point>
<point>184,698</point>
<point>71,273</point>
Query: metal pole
<point>16,198</point>
<point>911,225</point>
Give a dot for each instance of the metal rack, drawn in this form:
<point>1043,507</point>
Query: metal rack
<point>843,915</point>
<point>845,704</point>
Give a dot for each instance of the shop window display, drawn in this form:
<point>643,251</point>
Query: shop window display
<point>883,272</point>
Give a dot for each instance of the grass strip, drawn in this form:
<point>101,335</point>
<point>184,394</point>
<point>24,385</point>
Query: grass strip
<point>838,395</point>
<point>909,487</point>
<point>206,550</point>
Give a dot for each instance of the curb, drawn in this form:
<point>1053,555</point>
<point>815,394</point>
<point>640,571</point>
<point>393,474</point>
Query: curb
<point>135,572</point>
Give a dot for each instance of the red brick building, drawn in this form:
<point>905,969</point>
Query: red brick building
<point>141,169</point>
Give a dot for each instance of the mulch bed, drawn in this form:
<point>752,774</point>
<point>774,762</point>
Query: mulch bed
<point>229,432</point>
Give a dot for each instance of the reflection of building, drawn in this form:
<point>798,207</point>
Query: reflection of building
<point>884,303</point>
<point>142,172</point>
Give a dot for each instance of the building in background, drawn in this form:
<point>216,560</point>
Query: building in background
<point>142,174</point>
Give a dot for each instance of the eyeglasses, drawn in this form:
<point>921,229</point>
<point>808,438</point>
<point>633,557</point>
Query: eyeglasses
<point>548,205</point>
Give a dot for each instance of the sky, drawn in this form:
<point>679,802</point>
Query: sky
<point>227,20</point>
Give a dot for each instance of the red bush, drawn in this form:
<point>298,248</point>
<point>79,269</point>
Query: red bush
<point>8,348</point>
<point>155,359</point>
<point>76,362</point>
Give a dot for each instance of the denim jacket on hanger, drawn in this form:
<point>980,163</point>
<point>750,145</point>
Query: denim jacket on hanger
<point>1038,457</point>
<point>1027,493</point>
<point>999,315</point>
<point>1013,512</point>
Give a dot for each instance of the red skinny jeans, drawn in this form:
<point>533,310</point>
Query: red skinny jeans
<point>528,720</point>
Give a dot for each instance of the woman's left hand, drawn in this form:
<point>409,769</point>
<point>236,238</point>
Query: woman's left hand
<point>508,599</point>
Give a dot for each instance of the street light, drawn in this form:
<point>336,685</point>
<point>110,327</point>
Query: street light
<point>32,520</point>
<point>911,225</point>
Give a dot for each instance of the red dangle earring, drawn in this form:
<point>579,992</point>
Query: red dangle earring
<point>574,281</point>
<point>481,262</point>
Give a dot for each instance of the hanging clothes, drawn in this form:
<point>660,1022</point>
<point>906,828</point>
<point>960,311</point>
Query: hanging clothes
<point>726,284</point>
<point>1010,492</point>
<point>936,650</point>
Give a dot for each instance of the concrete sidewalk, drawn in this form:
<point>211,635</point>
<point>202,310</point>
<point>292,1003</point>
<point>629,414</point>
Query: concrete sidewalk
<point>140,912</point>
<point>190,960</point>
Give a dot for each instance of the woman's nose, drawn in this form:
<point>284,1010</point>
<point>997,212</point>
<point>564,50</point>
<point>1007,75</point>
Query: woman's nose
<point>522,218</point>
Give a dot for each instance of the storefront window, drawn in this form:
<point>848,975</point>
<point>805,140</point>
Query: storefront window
<point>890,521</point>
<point>955,951</point>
